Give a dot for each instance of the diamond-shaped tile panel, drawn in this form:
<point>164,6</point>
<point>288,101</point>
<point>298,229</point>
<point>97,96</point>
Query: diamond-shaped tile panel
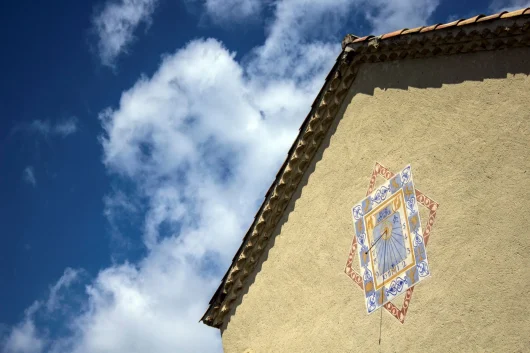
<point>411,195</point>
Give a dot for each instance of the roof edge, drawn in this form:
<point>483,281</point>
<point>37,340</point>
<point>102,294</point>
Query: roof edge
<point>349,38</point>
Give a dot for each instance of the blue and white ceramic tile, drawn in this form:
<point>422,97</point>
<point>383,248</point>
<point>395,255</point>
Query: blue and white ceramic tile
<point>392,253</point>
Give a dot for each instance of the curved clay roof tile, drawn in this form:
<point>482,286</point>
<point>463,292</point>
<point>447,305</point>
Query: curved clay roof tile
<point>413,30</point>
<point>515,13</point>
<point>470,20</point>
<point>491,17</point>
<point>430,28</point>
<point>393,34</point>
<point>362,39</point>
<point>450,24</point>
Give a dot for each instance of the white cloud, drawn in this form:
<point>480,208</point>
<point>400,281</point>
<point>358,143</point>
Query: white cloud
<point>387,16</point>
<point>224,11</point>
<point>227,12</point>
<point>497,6</point>
<point>45,128</point>
<point>294,50</point>
<point>120,208</point>
<point>149,308</point>
<point>116,203</point>
<point>66,127</point>
<point>115,25</point>
<point>193,139</point>
<point>54,299</point>
<point>201,140</point>
<point>28,175</point>
<point>25,337</point>
<point>42,127</point>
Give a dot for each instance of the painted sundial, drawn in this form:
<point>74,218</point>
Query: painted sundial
<point>389,241</point>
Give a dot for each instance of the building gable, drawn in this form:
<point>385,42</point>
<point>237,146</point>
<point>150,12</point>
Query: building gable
<point>447,43</point>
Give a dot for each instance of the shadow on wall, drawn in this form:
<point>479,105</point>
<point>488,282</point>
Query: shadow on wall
<point>445,70</point>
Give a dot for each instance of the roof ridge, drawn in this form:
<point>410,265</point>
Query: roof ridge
<point>349,39</point>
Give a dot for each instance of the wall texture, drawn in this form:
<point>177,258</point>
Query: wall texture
<point>463,123</point>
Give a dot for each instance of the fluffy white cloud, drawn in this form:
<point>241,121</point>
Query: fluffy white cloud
<point>201,140</point>
<point>148,308</point>
<point>23,339</point>
<point>508,5</point>
<point>115,24</point>
<point>28,175</point>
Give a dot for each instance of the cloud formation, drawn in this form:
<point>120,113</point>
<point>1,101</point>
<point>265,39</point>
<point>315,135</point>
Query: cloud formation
<point>28,175</point>
<point>387,16</point>
<point>200,140</point>
<point>223,11</point>
<point>66,127</point>
<point>56,296</point>
<point>508,5</point>
<point>45,128</point>
<point>25,337</point>
<point>115,24</point>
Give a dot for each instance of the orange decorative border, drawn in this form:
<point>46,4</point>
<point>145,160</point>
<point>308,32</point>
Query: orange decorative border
<point>422,199</point>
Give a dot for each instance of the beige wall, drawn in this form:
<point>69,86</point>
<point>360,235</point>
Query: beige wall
<point>463,123</point>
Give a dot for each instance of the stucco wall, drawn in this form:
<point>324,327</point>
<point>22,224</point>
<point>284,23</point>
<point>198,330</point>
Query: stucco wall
<point>463,123</point>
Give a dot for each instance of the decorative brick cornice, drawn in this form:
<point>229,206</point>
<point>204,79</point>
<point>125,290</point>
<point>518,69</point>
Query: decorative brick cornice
<point>480,33</point>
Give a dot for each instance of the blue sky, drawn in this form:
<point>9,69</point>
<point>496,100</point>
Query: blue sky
<point>137,140</point>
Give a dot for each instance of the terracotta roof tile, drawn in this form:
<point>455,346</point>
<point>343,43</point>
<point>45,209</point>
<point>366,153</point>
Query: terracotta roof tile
<point>362,39</point>
<point>393,34</point>
<point>491,17</point>
<point>413,30</point>
<point>450,24</point>
<point>515,13</point>
<point>470,20</point>
<point>430,28</point>
<point>437,27</point>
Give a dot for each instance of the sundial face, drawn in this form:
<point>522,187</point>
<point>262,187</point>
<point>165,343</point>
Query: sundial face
<point>391,247</point>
